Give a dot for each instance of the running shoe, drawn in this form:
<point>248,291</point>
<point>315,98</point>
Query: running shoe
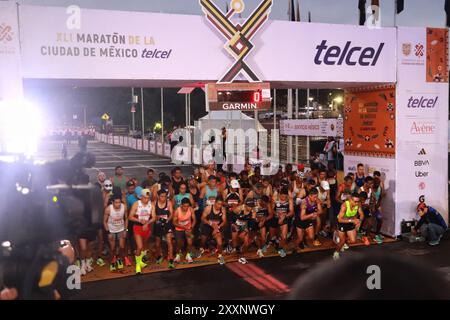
<point>138,268</point>
<point>83,267</point>
<point>159,260</point>
<point>200,252</point>
<point>366,241</point>
<point>177,258</point>
<point>112,267</point>
<point>282,253</point>
<point>242,260</point>
<point>322,233</point>
<point>301,245</point>
<point>260,253</point>
<point>221,260</point>
<point>127,262</point>
<point>119,264</point>
<point>189,258</point>
<point>317,243</point>
<point>378,239</point>
<point>345,246</point>
<point>434,243</point>
<point>264,248</point>
<point>100,262</point>
<point>89,267</point>
<point>171,264</point>
<point>336,256</point>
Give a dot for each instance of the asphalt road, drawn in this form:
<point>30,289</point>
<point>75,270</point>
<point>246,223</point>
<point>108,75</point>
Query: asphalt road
<point>267,278</point>
<point>134,162</point>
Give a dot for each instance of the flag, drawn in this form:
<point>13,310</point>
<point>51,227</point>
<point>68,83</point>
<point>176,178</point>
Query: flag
<point>297,12</point>
<point>447,11</point>
<point>362,12</point>
<point>309,16</point>
<point>400,4</point>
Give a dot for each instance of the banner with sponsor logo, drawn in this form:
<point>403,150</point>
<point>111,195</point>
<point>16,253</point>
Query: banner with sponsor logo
<point>386,166</point>
<point>166,150</point>
<point>139,144</point>
<point>159,148</point>
<point>369,116</point>
<point>146,145</point>
<point>312,127</point>
<point>152,147</point>
<point>117,45</point>
<point>11,86</point>
<point>422,121</point>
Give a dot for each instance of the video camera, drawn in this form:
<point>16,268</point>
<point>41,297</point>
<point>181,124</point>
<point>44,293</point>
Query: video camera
<point>40,206</point>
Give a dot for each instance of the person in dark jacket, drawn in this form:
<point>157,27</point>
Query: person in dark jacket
<point>431,224</point>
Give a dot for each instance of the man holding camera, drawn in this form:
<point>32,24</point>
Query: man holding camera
<point>431,224</point>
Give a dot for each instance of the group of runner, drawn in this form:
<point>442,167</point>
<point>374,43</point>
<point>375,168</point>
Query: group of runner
<point>211,211</point>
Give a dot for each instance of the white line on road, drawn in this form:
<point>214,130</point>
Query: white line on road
<point>136,160</point>
<point>136,167</point>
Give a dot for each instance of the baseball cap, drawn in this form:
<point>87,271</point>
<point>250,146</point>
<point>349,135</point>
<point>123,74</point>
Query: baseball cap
<point>130,183</point>
<point>250,202</point>
<point>145,192</point>
<point>259,185</point>
<point>301,167</point>
<point>138,191</point>
<point>284,183</point>
<point>235,184</point>
<point>325,185</point>
<point>421,206</point>
<point>233,199</point>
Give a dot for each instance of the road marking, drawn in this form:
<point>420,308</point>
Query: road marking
<point>137,160</point>
<point>143,166</point>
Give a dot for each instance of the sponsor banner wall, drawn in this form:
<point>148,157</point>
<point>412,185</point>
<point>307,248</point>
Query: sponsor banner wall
<point>164,47</point>
<point>11,86</point>
<point>422,121</point>
<point>369,116</point>
<point>312,127</point>
<point>387,168</point>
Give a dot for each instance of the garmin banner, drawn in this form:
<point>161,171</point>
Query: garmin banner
<point>10,69</point>
<point>117,45</point>
<point>422,121</point>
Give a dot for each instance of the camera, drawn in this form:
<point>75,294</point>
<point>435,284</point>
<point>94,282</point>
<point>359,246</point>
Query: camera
<point>41,206</point>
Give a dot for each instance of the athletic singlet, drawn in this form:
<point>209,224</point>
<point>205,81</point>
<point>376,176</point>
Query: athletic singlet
<point>345,192</point>
<point>377,193</point>
<point>210,196</point>
<point>359,181</point>
<point>218,218</point>
<point>184,220</point>
<point>349,213</point>
<point>232,201</point>
<point>310,208</point>
<point>195,196</point>
<point>242,218</point>
<point>369,195</point>
<point>116,221</point>
<point>162,214</point>
<point>143,211</point>
<point>262,213</point>
<point>178,198</point>
<point>120,183</point>
<point>176,185</point>
<point>281,207</point>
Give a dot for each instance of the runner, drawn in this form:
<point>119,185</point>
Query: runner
<point>378,191</point>
<point>177,179</point>
<point>283,211</point>
<point>182,194</point>
<point>119,179</point>
<point>214,218</point>
<point>115,223</point>
<point>359,178</point>
<point>184,222</point>
<point>162,215</point>
<point>322,228</point>
<point>239,228</point>
<point>164,183</point>
<point>310,210</point>
<point>368,204</point>
<point>140,214</point>
<point>150,180</point>
<point>267,187</point>
<point>264,212</point>
<point>349,220</point>
<point>244,182</point>
<point>209,192</point>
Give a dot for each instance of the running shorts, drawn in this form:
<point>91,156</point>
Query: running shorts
<point>344,227</point>
<point>139,231</point>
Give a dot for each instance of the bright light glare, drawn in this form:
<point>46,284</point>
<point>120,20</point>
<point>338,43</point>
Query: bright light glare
<point>20,127</point>
<point>338,99</point>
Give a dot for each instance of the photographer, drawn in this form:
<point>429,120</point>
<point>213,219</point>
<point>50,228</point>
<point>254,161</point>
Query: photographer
<point>431,224</point>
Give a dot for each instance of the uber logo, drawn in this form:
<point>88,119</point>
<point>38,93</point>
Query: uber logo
<point>421,174</point>
<point>349,55</point>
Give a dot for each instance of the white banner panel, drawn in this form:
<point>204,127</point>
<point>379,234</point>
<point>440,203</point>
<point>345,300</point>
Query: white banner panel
<point>139,144</point>
<point>422,122</point>
<point>166,150</point>
<point>10,66</point>
<point>154,46</point>
<point>159,148</point>
<point>152,147</point>
<point>116,140</point>
<point>145,145</point>
<point>312,127</point>
<point>387,168</point>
